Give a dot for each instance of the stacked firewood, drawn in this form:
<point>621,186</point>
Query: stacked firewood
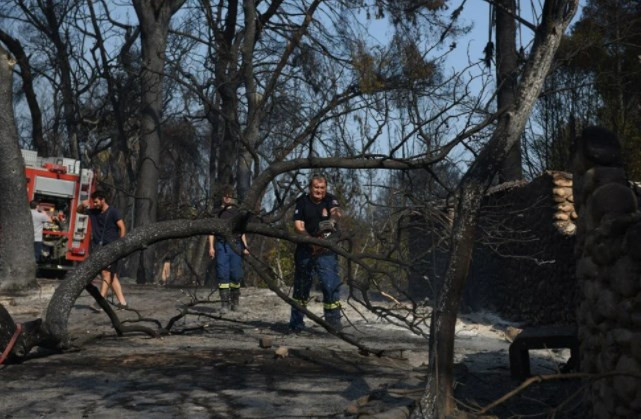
<point>564,215</point>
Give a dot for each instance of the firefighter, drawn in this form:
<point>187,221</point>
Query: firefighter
<point>228,254</point>
<point>316,215</point>
<point>107,226</point>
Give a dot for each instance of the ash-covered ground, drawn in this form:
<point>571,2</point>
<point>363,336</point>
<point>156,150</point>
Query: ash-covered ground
<point>214,366</point>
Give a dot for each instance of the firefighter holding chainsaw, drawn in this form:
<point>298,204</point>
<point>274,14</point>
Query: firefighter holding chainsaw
<point>316,215</point>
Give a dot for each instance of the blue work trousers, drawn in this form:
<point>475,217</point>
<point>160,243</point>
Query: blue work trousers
<point>37,250</point>
<point>325,265</point>
<point>229,264</point>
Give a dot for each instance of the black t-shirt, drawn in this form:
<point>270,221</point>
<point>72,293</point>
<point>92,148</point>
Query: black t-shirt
<point>226,213</point>
<point>104,229</point>
<point>312,213</point>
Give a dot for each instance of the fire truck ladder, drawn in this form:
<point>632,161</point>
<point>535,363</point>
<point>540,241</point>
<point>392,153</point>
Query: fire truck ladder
<point>82,220</point>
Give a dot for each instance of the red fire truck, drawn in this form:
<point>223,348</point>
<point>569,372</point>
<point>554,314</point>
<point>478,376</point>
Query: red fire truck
<point>60,184</point>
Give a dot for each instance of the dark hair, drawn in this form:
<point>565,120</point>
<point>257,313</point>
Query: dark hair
<point>34,204</point>
<point>317,176</point>
<point>227,190</point>
<point>98,195</point>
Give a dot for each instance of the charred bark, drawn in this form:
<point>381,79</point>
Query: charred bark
<point>52,332</point>
<point>506,79</point>
<point>154,20</point>
<point>62,301</point>
<point>70,107</point>
<point>250,135</point>
<point>227,81</point>
<point>17,263</point>
<point>27,87</point>
<point>119,96</point>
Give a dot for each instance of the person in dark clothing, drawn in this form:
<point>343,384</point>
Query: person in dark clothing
<point>228,254</point>
<point>107,226</point>
<point>316,215</point>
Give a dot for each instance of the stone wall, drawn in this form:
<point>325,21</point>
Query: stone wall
<point>609,275</point>
<point>523,263</point>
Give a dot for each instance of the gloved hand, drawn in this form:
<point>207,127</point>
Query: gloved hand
<point>327,231</point>
<point>326,228</point>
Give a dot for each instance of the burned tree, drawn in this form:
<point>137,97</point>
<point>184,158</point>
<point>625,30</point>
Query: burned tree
<point>17,268</point>
<point>154,26</point>
<point>438,399</point>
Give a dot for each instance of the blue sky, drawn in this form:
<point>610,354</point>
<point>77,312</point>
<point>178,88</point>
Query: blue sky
<point>476,12</point>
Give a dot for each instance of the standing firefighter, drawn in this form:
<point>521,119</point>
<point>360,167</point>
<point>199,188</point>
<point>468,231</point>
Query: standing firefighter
<point>316,215</point>
<point>227,251</point>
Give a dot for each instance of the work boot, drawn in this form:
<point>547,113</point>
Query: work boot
<point>295,330</point>
<point>296,319</point>
<point>224,300</point>
<point>333,317</point>
<point>235,299</point>
<point>336,324</point>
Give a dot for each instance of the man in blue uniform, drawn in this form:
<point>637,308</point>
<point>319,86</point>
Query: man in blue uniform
<point>316,215</point>
<point>229,263</point>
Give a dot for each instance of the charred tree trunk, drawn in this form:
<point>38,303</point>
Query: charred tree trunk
<point>214,148</point>
<point>59,307</point>
<point>27,87</point>
<point>438,400</point>
<point>221,107</point>
<point>256,101</point>
<point>227,74</point>
<point>17,262</point>
<point>227,157</point>
<point>121,170</point>
<point>250,134</point>
<point>69,106</point>
<point>52,333</point>
<point>154,20</point>
<point>506,79</point>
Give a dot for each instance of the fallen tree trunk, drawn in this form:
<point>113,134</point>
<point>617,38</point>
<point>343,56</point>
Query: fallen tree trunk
<point>52,332</point>
<point>57,313</point>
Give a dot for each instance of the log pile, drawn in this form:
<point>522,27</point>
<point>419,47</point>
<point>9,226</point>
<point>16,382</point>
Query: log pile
<point>565,216</point>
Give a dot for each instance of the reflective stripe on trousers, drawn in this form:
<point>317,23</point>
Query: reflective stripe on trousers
<point>229,265</point>
<point>325,266</point>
